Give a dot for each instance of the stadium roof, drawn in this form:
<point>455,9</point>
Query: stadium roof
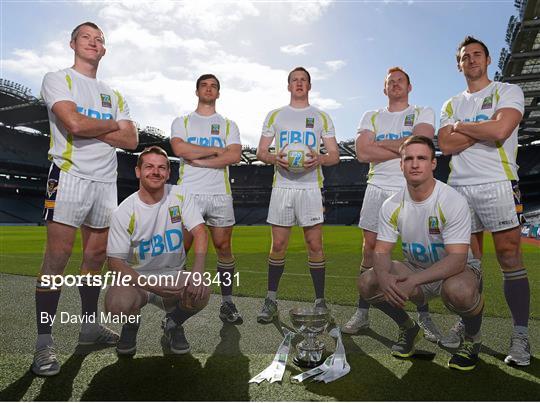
<point>520,64</point>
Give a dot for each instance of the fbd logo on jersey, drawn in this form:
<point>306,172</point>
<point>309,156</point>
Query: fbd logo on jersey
<point>294,136</point>
<point>94,114</point>
<point>214,129</point>
<point>310,123</point>
<point>212,141</point>
<point>106,101</point>
<point>488,102</point>
<point>433,225</point>
<point>409,120</point>
<point>174,212</point>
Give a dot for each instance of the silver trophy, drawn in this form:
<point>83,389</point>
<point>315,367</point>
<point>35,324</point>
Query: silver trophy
<point>310,323</point>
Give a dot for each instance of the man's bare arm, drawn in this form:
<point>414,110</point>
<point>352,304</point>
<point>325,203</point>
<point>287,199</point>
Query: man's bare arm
<point>498,128</point>
<point>125,137</point>
<point>367,149</point>
<point>231,155</point>
<point>453,263</point>
<point>79,124</point>
<point>421,129</point>
<point>183,149</point>
<point>451,142</point>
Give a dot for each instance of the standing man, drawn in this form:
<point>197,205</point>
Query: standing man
<point>433,221</point>
<point>145,241</point>
<point>88,120</point>
<point>207,144</point>
<point>296,197</point>
<point>380,134</point>
<point>479,129</point>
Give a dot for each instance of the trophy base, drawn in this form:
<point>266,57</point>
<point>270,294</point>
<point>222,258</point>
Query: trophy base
<point>307,364</point>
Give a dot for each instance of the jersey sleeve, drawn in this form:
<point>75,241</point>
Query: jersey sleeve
<point>268,129</point>
<point>122,107</point>
<point>328,129</point>
<point>191,215</point>
<point>511,96</point>
<point>387,229</point>
<point>119,239</point>
<point>366,123</point>
<point>55,88</point>
<point>456,217</point>
<point>178,128</point>
<point>234,134</point>
<point>426,115</point>
<point>447,114</point>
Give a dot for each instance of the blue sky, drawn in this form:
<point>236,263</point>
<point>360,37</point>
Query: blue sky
<point>156,50</point>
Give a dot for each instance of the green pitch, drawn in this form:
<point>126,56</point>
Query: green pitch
<point>21,251</point>
<point>225,357</point>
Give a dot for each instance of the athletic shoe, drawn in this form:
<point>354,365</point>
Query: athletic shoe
<point>466,357</point>
<point>127,345</point>
<point>268,312</point>
<point>431,332</point>
<point>174,333</point>
<point>520,350</point>
<point>454,336</point>
<point>229,313</point>
<point>358,321</point>
<point>45,362</point>
<point>320,303</point>
<point>101,335</point>
<point>408,337</point>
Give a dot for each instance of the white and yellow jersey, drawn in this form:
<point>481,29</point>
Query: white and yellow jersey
<point>87,158</point>
<point>392,126</point>
<point>206,131</point>
<point>298,125</point>
<point>149,237</point>
<point>426,227</point>
<point>485,161</point>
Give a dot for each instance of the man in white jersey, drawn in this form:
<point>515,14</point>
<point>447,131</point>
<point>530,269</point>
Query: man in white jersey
<point>146,247</point>
<point>296,197</point>
<point>379,135</point>
<point>88,121</point>
<point>479,129</point>
<point>207,144</point>
<point>433,221</point>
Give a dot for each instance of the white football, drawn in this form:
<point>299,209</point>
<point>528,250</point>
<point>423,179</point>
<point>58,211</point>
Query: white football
<point>296,154</point>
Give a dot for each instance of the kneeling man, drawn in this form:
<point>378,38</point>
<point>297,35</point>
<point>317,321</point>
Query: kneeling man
<point>146,247</point>
<point>433,221</point>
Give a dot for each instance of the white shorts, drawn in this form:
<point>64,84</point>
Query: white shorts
<point>433,290</point>
<point>373,201</point>
<point>494,206</point>
<point>217,210</point>
<point>77,201</point>
<point>288,207</point>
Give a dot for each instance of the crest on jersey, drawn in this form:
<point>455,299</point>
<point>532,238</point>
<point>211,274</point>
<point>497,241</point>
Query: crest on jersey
<point>433,225</point>
<point>174,212</point>
<point>214,129</point>
<point>310,123</point>
<point>409,120</point>
<point>488,102</point>
<point>106,101</point>
<point>52,185</point>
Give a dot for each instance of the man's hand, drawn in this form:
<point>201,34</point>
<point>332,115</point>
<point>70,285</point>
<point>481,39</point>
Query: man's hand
<point>389,288</point>
<point>313,161</point>
<point>281,160</point>
<point>406,285</point>
<point>194,293</point>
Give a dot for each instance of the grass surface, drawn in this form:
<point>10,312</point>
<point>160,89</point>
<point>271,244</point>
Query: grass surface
<point>21,250</point>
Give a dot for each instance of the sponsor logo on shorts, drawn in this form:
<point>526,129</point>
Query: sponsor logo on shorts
<point>214,129</point>
<point>315,218</point>
<point>409,120</point>
<point>106,101</point>
<point>310,123</point>
<point>488,102</point>
<point>52,186</point>
<point>174,212</point>
<point>506,222</point>
<point>49,204</point>
<point>433,225</point>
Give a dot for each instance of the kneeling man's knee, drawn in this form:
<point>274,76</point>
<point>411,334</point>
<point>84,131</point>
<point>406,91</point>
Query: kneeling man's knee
<point>462,298</point>
<point>367,284</point>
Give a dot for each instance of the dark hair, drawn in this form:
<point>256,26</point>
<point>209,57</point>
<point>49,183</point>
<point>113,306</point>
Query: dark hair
<point>153,150</point>
<point>206,77</point>
<point>467,41</point>
<point>75,32</point>
<point>298,69</point>
<point>416,139</point>
<point>394,69</point>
